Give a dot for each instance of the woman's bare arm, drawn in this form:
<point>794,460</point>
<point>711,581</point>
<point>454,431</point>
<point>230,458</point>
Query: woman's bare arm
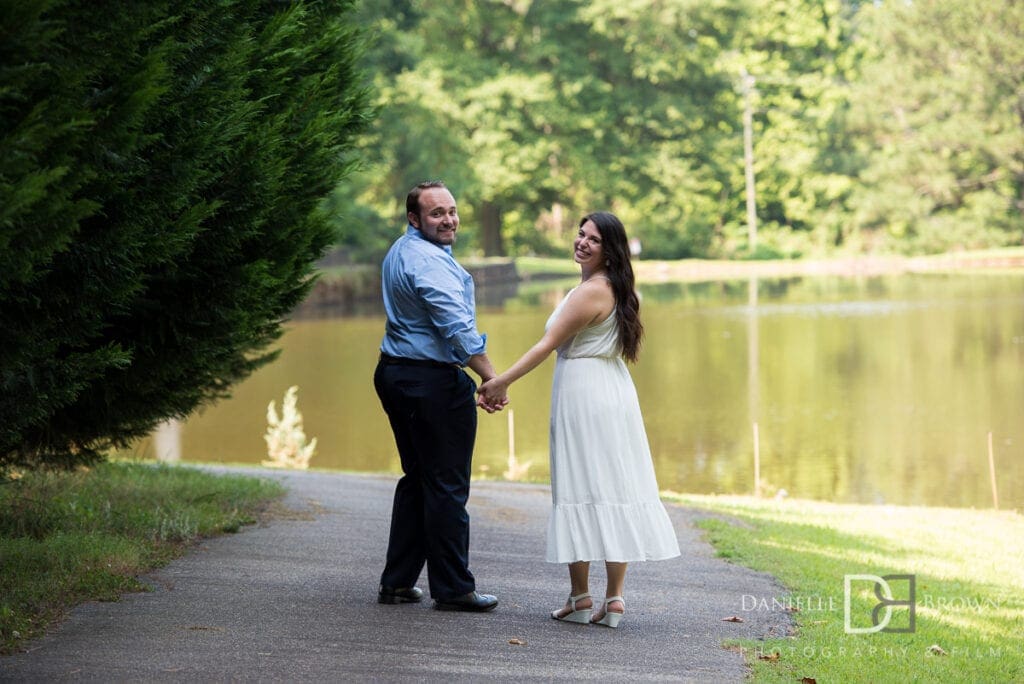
<point>591,302</point>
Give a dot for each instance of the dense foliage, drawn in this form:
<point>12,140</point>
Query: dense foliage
<point>877,126</point>
<point>162,171</point>
<point>938,120</point>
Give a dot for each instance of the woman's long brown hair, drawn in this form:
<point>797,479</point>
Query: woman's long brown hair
<point>619,269</point>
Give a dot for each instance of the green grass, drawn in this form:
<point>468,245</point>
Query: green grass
<point>992,252</point>
<point>968,567</point>
<point>71,537</point>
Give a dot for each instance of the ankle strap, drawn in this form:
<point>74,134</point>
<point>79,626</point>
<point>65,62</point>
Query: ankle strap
<point>578,597</point>
<point>615,598</point>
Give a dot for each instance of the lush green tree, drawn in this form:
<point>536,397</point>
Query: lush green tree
<point>939,116</point>
<point>875,124</point>
<point>668,150</point>
<point>543,110</point>
<point>405,144</point>
<point>800,58</point>
<point>162,171</point>
<point>540,111</point>
<point>452,95</point>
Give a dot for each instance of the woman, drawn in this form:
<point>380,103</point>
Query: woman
<point>604,493</point>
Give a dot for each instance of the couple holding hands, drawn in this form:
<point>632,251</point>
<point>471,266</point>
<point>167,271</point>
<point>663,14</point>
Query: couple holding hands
<point>605,498</point>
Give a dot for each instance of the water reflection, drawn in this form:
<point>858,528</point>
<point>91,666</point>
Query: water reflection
<point>872,389</point>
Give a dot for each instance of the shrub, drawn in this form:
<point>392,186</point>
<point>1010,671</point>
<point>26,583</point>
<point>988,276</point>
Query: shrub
<point>162,170</point>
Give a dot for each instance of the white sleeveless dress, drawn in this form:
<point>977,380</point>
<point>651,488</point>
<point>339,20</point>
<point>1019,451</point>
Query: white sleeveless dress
<point>603,489</point>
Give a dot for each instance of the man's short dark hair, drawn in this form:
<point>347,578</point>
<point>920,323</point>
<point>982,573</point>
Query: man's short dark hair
<point>412,201</point>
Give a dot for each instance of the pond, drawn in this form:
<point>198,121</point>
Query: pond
<point>880,389</point>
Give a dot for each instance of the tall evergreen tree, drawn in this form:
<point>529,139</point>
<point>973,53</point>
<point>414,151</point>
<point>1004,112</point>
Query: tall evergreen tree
<point>162,171</point>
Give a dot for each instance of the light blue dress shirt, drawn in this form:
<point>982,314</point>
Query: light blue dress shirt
<point>429,302</point>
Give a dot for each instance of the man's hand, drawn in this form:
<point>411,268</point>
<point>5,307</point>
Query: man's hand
<point>492,396</point>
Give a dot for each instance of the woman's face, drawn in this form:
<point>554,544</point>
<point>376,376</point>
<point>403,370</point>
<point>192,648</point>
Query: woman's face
<point>587,248</point>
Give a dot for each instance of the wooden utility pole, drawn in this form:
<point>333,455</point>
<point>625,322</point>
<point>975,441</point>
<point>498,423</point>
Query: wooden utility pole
<point>748,157</point>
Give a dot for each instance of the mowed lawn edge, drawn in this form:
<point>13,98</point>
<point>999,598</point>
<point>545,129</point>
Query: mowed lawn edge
<point>87,535</point>
<point>966,567</point>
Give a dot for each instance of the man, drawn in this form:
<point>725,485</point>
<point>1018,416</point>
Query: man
<point>430,401</point>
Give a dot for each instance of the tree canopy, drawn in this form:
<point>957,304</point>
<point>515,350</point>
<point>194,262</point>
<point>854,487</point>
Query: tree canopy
<point>887,126</point>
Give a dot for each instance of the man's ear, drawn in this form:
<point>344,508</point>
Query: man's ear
<point>414,219</point>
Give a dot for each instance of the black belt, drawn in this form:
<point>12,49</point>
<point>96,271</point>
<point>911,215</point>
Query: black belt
<point>422,363</point>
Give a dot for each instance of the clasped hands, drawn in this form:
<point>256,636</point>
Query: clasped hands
<point>492,396</point>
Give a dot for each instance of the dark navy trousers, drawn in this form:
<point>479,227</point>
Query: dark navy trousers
<point>433,415</point>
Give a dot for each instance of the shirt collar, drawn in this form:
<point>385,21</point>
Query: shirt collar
<point>415,232</point>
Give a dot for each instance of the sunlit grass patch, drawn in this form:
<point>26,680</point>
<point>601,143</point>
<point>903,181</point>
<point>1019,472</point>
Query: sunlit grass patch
<point>967,570</point>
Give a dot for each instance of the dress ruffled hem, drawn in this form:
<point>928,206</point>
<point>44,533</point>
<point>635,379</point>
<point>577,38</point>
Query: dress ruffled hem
<point>611,532</point>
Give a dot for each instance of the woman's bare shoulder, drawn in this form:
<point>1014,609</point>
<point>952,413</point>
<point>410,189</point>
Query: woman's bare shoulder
<point>595,294</point>
<point>598,287</point>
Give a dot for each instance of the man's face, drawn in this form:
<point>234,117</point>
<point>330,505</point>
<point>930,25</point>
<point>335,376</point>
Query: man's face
<point>438,218</point>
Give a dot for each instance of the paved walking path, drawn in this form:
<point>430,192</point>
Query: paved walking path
<point>295,600</point>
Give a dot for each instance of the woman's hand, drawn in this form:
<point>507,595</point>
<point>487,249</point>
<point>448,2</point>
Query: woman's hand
<point>492,395</point>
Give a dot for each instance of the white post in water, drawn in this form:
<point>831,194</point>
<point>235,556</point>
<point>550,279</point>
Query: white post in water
<point>757,463</point>
<point>511,437</point>
<point>747,81</point>
<point>992,472</point>
<point>167,441</point>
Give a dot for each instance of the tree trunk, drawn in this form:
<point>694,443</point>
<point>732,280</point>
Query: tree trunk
<point>490,229</point>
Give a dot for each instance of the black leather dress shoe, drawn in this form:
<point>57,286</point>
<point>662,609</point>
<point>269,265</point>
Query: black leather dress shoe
<point>403,595</point>
<point>473,601</point>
